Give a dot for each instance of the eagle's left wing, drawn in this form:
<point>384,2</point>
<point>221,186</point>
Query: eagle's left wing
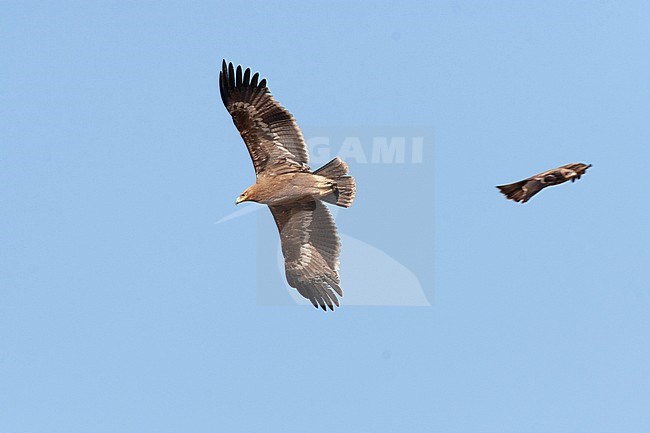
<point>270,132</point>
<point>310,246</point>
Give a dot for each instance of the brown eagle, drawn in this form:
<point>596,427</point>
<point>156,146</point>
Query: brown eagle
<point>284,182</point>
<point>523,190</point>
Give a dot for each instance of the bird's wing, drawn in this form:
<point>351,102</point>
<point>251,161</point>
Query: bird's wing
<point>530,188</point>
<point>270,132</point>
<point>310,246</point>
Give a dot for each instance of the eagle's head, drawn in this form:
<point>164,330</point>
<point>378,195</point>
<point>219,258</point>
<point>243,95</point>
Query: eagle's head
<point>247,195</point>
<point>242,198</point>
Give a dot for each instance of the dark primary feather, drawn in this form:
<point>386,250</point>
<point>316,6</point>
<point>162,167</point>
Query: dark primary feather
<point>270,132</point>
<point>310,246</point>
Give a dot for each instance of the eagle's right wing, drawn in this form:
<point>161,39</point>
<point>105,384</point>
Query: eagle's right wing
<point>310,246</point>
<point>532,187</point>
<point>270,132</point>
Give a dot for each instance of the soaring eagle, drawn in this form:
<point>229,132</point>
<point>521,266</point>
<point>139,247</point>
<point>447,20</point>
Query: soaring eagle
<point>523,190</point>
<point>284,182</point>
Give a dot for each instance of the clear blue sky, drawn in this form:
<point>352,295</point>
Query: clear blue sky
<point>125,308</point>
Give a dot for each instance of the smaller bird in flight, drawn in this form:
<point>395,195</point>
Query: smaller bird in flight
<point>523,190</point>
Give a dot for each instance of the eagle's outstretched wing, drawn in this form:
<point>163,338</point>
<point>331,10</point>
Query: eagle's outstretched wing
<point>270,132</point>
<point>310,246</point>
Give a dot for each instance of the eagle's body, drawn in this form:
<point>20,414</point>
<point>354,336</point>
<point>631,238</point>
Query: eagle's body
<point>284,182</point>
<point>288,188</point>
<point>523,190</point>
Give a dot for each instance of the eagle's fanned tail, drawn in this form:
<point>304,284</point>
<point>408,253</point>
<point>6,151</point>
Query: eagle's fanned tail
<point>344,187</point>
<point>513,191</point>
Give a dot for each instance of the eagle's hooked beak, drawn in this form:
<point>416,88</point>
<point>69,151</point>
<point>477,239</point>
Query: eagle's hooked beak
<point>240,199</point>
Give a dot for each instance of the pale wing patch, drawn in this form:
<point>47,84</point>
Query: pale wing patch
<point>263,145</point>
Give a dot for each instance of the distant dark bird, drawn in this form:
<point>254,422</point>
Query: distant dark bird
<point>284,182</point>
<point>523,190</point>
